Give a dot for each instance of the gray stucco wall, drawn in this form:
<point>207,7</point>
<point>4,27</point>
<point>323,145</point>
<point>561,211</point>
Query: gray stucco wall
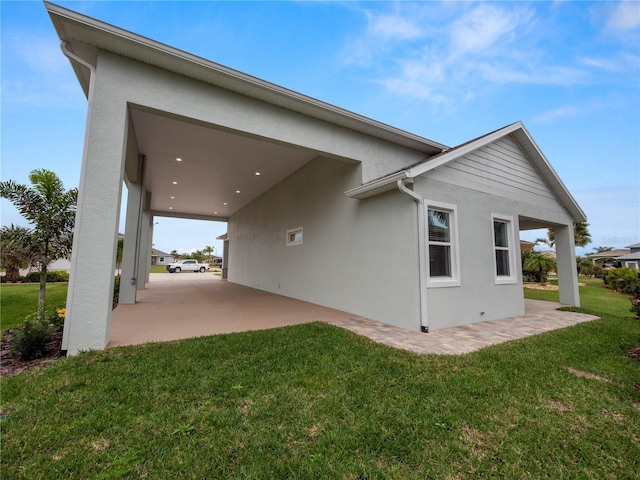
<point>478,291</point>
<point>151,87</point>
<point>356,256</point>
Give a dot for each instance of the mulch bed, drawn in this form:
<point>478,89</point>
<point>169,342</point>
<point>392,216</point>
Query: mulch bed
<point>13,365</point>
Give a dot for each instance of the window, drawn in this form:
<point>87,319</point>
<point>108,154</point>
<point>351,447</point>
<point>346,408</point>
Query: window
<point>503,248</point>
<point>294,236</point>
<point>443,246</point>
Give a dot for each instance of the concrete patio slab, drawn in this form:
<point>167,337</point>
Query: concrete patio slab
<point>186,305</point>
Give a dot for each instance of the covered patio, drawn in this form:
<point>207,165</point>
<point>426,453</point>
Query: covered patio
<point>187,305</point>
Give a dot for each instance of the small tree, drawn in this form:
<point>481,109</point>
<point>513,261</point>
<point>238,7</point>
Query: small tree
<point>541,264</point>
<point>16,250</point>
<point>208,250</point>
<point>51,210</point>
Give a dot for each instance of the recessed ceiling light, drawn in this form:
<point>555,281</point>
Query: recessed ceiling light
<point>178,159</point>
<point>170,208</point>
<point>172,198</point>
<point>224,203</point>
<point>237,191</point>
<point>257,173</point>
<point>215,213</point>
<point>175,183</point>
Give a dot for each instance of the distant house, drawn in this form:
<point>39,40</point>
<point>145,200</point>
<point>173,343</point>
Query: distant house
<point>631,259</point>
<point>610,258</point>
<point>161,258</point>
<point>526,246</point>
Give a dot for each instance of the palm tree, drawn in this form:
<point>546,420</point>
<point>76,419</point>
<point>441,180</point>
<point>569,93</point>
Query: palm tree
<point>539,263</point>
<point>602,249</point>
<point>51,211</point>
<point>208,250</point>
<point>16,250</point>
<point>581,235</point>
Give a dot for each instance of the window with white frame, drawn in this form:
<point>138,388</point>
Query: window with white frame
<point>442,242</point>
<point>294,236</point>
<point>504,249</point>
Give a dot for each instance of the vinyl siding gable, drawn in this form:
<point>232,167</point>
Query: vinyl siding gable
<point>499,168</point>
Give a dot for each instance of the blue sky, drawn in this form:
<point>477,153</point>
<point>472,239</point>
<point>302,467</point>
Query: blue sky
<point>447,71</point>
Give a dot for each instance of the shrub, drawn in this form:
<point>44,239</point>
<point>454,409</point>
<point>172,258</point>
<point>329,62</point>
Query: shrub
<point>30,342</point>
<point>116,291</point>
<point>624,280</point>
<point>635,307</point>
<point>52,276</point>
<point>19,279</point>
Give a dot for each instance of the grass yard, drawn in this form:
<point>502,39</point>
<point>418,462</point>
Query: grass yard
<point>593,298</point>
<point>316,401</point>
<point>19,300</point>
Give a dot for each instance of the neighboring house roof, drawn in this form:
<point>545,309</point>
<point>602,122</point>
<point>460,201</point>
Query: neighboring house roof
<point>75,28</point>
<point>516,130</point>
<point>159,253</point>
<point>609,254</point>
<point>635,245</point>
<point>630,256</point>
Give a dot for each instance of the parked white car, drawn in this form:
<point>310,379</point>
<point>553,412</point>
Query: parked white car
<point>187,266</point>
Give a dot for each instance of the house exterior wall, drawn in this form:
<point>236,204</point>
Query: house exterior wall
<point>480,187</point>
<point>151,87</point>
<point>502,169</point>
<point>356,256</point>
<point>119,84</point>
<point>162,260</point>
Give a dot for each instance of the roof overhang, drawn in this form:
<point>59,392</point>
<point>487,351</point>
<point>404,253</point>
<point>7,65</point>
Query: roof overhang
<point>86,35</point>
<point>516,130</point>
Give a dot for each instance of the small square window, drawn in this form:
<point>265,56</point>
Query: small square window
<point>294,236</point>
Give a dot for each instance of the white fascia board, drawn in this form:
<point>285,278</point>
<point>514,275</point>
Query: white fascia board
<point>378,186</point>
<point>463,150</point>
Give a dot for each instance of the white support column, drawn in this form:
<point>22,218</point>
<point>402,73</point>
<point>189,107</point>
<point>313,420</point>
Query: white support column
<point>144,253</point>
<point>130,250</point>
<point>93,260</point>
<point>566,263</point>
<point>149,250</point>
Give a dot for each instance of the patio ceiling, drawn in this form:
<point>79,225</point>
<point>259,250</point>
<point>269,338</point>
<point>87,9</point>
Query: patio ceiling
<point>219,171</point>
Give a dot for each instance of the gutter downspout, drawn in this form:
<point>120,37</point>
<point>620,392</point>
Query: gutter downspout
<point>422,254</point>
<point>76,236</point>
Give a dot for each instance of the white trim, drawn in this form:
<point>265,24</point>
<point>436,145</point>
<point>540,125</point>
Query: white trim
<point>454,243</point>
<point>511,248</point>
<point>292,237</point>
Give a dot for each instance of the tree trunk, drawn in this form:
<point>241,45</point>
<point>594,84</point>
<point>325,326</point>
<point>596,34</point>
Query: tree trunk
<point>13,273</point>
<point>43,285</point>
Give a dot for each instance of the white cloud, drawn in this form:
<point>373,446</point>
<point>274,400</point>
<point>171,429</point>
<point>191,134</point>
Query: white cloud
<point>624,17</point>
<point>556,114</point>
<point>393,27</point>
<point>485,26</point>
<point>453,60</point>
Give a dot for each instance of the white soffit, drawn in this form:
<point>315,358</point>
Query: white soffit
<point>214,166</point>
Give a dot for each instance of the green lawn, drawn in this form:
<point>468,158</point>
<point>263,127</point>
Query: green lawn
<point>593,297</point>
<point>316,401</point>
<point>19,300</point>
